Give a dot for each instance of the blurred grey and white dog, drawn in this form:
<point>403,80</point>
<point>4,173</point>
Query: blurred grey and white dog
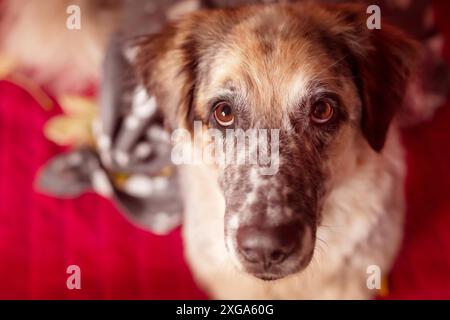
<point>315,72</point>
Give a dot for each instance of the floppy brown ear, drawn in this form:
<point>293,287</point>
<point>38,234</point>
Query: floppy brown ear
<point>165,64</point>
<point>382,61</point>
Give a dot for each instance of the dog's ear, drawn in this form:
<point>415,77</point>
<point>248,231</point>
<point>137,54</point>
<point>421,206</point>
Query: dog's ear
<point>166,64</point>
<point>381,61</point>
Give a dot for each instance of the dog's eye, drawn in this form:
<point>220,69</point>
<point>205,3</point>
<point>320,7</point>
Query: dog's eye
<point>223,113</point>
<point>322,112</point>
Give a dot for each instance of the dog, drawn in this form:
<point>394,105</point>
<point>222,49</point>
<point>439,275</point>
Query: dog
<point>332,87</point>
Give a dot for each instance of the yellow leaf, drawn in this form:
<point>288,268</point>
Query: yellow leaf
<point>7,65</point>
<point>78,106</point>
<point>64,130</point>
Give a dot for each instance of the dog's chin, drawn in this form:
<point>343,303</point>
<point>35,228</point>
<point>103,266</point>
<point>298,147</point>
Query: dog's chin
<point>274,276</point>
<point>271,276</point>
<point>278,272</point>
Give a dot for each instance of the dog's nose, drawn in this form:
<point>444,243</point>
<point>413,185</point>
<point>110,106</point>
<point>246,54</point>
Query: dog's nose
<point>267,246</point>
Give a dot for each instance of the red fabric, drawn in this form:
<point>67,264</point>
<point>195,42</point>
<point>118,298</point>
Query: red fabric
<point>40,236</point>
<point>422,270</point>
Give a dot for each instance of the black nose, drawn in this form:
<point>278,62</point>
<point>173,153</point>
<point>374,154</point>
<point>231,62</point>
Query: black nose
<point>267,246</point>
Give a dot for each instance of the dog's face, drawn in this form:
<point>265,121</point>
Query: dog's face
<point>317,75</point>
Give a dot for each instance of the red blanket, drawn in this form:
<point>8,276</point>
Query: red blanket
<point>41,236</point>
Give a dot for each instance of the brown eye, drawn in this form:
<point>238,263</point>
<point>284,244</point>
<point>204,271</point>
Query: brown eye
<point>322,112</point>
<point>223,113</point>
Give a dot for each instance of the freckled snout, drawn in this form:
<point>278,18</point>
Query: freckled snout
<point>270,221</point>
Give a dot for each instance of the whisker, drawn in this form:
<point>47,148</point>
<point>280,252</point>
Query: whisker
<point>332,65</point>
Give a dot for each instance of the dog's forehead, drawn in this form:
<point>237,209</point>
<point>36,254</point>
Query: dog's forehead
<point>264,59</point>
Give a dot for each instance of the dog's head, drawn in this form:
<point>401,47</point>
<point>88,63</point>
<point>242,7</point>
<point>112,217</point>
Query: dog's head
<point>317,74</point>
